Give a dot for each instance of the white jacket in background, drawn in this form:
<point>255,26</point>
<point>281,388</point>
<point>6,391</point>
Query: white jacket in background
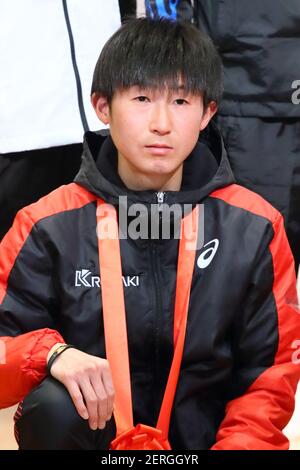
<point>39,104</point>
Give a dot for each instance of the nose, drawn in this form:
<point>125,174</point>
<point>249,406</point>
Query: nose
<point>160,120</point>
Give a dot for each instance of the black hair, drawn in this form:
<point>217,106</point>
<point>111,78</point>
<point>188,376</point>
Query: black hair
<point>158,53</point>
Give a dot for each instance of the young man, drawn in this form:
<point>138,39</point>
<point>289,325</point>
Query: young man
<point>157,85</point>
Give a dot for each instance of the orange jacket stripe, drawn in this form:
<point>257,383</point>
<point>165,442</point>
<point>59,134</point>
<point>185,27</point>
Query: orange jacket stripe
<point>241,197</point>
<point>58,201</point>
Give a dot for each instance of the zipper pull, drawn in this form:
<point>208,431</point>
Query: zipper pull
<point>160,199</point>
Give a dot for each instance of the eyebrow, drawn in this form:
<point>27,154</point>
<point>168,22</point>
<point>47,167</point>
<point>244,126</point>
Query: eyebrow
<point>171,89</point>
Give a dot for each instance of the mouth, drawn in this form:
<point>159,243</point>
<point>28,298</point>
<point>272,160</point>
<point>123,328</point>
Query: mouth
<point>158,148</point>
<point>159,145</point>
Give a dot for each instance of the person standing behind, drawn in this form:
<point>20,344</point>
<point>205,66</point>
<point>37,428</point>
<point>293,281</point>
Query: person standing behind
<point>47,53</point>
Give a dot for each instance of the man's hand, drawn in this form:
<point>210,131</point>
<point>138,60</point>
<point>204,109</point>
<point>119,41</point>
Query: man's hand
<point>89,383</point>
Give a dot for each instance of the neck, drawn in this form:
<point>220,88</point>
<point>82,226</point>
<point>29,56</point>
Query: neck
<point>139,181</point>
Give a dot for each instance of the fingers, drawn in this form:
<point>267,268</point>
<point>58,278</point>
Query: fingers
<point>109,389</point>
<point>104,390</point>
<point>77,399</point>
<point>102,400</point>
<point>91,401</point>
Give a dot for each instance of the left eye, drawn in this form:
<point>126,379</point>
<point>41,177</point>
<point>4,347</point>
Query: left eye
<point>180,101</point>
<point>141,99</point>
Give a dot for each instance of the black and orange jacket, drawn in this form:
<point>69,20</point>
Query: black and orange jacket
<point>240,364</point>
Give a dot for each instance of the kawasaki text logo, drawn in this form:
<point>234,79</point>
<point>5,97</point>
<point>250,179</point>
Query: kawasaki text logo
<point>85,278</point>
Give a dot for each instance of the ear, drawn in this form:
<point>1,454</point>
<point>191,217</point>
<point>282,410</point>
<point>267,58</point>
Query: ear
<point>101,107</point>
<point>208,114</point>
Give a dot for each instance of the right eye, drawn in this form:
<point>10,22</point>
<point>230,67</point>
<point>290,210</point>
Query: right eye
<point>142,99</point>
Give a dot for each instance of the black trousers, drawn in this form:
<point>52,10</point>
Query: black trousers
<point>48,420</point>
<point>264,154</point>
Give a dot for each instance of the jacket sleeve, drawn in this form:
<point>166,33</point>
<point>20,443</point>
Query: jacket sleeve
<point>27,304</point>
<point>267,354</point>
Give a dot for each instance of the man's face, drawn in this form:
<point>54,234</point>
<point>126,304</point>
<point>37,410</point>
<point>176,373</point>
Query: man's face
<point>154,131</point>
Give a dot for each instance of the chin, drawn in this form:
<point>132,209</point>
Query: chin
<point>160,168</point>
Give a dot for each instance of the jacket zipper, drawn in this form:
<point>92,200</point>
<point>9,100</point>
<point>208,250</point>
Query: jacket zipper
<point>158,318</point>
<point>158,306</point>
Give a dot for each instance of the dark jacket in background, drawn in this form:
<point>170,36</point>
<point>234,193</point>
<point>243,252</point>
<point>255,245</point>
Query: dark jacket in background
<point>259,42</point>
<point>127,9</point>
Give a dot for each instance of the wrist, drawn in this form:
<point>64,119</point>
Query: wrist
<point>53,349</point>
<point>56,351</point>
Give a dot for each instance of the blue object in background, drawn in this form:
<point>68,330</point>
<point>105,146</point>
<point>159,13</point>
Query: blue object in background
<point>162,8</point>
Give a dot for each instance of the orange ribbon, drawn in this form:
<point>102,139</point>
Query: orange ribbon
<point>140,437</point>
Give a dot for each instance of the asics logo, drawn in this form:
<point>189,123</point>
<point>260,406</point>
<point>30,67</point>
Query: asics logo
<point>207,256</point>
<point>84,277</point>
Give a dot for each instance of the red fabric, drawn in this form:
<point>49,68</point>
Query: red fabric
<point>255,420</point>
<point>23,366</point>
<point>141,437</point>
